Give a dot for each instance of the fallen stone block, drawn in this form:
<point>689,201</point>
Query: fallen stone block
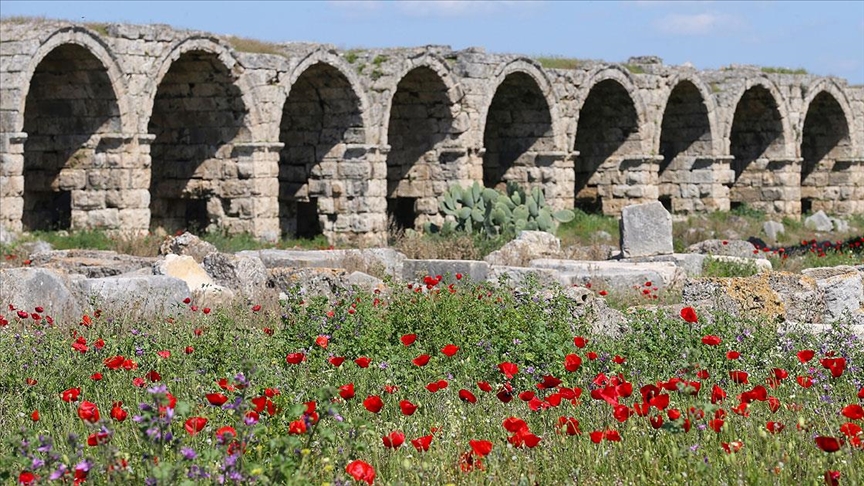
<point>646,230</point>
<point>135,296</point>
<point>26,288</point>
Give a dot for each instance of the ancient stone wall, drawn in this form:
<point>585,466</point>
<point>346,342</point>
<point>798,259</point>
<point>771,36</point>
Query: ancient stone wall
<point>140,127</point>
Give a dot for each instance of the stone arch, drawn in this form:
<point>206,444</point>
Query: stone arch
<point>198,113</point>
<point>693,87</point>
<point>420,120</point>
<point>825,148</point>
<point>322,114</point>
<point>609,130</point>
<point>685,135</point>
<point>759,137</point>
<point>518,121</point>
<point>70,103</point>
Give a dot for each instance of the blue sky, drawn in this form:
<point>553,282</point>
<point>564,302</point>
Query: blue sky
<point>823,37</point>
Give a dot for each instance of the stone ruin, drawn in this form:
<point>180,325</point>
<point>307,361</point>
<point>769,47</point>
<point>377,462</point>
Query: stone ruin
<point>140,127</point>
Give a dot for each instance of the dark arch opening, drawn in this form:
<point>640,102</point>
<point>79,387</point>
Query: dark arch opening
<point>197,113</point>
<point>518,122</point>
<point>608,128</point>
<point>824,138</point>
<point>420,120</point>
<point>70,102</point>
<point>757,129</point>
<point>321,114</point>
<point>685,129</point>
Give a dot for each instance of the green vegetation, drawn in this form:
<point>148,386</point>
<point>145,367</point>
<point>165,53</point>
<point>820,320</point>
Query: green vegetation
<point>555,62</point>
<point>379,60</point>
<point>254,46</point>
<point>99,27</point>
<point>782,70</point>
<point>714,267</point>
<point>635,68</point>
<point>256,394</point>
<point>351,56</point>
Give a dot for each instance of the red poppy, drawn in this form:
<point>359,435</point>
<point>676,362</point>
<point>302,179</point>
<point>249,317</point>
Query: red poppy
<point>256,307</point>
<point>70,395</point>
<point>572,362</point>
<point>96,376</point>
<point>591,355</point>
<point>508,369</point>
<point>433,387</point>
<point>194,425</point>
<point>26,478</point>
<point>442,384</point>
<point>596,436</point>
<point>450,350</point>
<point>828,444</point>
<point>322,341</point>
<point>569,424</point>
<point>524,437</point>
<point>612,436</point>
<point>467,462</point>
<point>117,412</point>
<point>164,354</point>
<point>618,359</point>
<point>34,416</point>
<point>408,339</point>
<point>656,421</point>
<point>548,383</point>
<point>480,447</point>
<point>393,440</point>
<point>780,373</point>
<point>336,360</point>
<point>731,355</point>
<point>98,438</point>
<point>774,427</point>
<point>225,431</point>
<point>363,362</point>
<point>373,403</point>
<point>295,358</point>
<point>854,412</point>
<point>467,396</point>
<point>484,386</point>
<point>504,395</point>
<point>421,360</point>
<point>733,446</point>
<point>673,414</point>
<point>407,407</point>
<point>361,471</point>
<point>514,424</point>
<point>422,443</point>
<point>603,293</point>
<point>861,393</point>
<point>621,413</point>
<point>153,376</point>
<point>711,340</point>
<point>773,404</point>
<point>832,478</point>
<point>580,342</point>
<point>114,363</point>
<point>216,399</point>
<point>739,377</point>
<point>804,381</point>
<point>268,331</point>
<point>660,402</point>
<point>689,315</point>
<point>716,425</point>
<point>834,365</point>
<point>347,391</point>
<point>526,396</point>
<point>850,429</point>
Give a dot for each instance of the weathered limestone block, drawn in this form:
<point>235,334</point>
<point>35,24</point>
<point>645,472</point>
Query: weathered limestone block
<point>646,229</point>
<point>187,244</point>
<point>244,273</point>
<point>90,263</point>
<point>26,288</point>
<point>527,246</point>
<point>415,270</point>
<point>135,296</point>
<point>819,222</point>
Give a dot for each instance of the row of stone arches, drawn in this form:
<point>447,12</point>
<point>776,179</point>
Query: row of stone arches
<point>199,114</point>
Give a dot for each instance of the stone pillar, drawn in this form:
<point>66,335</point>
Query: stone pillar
<point>633,179</point>
<point>110,191</point>
<point>555,173</point>
<point>352,207</point>
<point>250,203</point>
<point>771,185</point>
<point>12,180</point>
<point>837,188</point>
<point>698,184</point>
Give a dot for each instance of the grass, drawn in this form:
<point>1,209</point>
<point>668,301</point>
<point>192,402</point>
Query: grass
<point>782,70</point>
<point>556,62</point>
<point>583,229</point>
<point>244,44</point>
<point>635,68</point>
<point>100,27</point>
<point>249,352</point>
<point>720,268</point>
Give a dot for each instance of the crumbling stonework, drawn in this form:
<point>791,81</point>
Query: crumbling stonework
<point>139,127</point>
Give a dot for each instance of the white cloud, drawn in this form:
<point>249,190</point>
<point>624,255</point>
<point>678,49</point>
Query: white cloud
<point>696,24</point>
